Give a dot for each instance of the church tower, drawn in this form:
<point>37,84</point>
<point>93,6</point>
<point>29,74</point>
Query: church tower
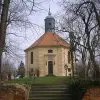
<point>49,23</point>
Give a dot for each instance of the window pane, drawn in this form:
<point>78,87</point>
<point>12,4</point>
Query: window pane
<point>68,56</point>
<point>50,51</point>
<point>31,57</point>
<point>69,69</point>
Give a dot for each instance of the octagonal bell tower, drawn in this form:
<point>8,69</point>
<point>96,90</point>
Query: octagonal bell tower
<point>49,23</point>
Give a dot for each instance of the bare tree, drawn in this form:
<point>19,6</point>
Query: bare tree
<point>8,69</point>
<point>14,16</point>
<point>93,4</point>
<point>84,17</point>
<point>3,19</point>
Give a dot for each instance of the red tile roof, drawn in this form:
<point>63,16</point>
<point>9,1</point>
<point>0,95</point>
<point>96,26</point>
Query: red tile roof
<point>49,39</point>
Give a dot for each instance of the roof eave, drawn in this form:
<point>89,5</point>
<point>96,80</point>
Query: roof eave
<point>46,46</point>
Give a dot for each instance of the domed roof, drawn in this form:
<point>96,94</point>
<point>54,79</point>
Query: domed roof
<point>49,15</point>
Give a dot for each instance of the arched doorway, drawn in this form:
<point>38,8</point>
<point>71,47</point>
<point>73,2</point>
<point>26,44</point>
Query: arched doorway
<point>50,67</point>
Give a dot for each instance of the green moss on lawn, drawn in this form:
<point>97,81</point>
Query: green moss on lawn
<point>42,80</point>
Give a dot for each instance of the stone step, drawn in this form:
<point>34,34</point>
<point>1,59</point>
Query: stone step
<point>49,92</point>
<point>49,89</point>
<point>46,92</point>
<point>43,86</point>
<point>49,95</point>
<point>49,98</point>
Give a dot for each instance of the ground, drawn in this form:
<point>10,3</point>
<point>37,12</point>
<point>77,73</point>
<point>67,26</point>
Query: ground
<point>11,92</point>
<point>77,87</point>
<point>42,80</point>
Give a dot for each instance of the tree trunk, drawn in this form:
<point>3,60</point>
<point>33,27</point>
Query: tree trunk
<point>72,65</point>
<point>3,28</point>
<point>92,55</point>
<point>95,65</point>
<point>92,58</point>
<point>0,63</point>
<point>83,63</point>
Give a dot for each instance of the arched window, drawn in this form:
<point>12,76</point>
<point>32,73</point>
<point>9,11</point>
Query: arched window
<point>31,57</point>
<point>68,56</point>
<point>50,51</point>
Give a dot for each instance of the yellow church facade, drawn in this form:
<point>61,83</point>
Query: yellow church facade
<point>50,54</point>
<point>48,60</point>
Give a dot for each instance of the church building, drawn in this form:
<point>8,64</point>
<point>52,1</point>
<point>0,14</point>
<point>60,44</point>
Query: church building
<point>50,54</point>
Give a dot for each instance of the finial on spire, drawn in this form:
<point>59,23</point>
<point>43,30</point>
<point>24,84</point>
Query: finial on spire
<point>49,13</point>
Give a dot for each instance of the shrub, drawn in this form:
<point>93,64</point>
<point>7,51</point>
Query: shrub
<point>79,87</point>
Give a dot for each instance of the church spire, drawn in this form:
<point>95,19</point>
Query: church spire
<point>49,13</point>
<point>49,22</point>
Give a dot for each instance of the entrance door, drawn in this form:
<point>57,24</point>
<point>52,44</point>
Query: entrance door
<point>50,67</point>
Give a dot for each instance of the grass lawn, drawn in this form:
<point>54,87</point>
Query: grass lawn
<point>42,80</point>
